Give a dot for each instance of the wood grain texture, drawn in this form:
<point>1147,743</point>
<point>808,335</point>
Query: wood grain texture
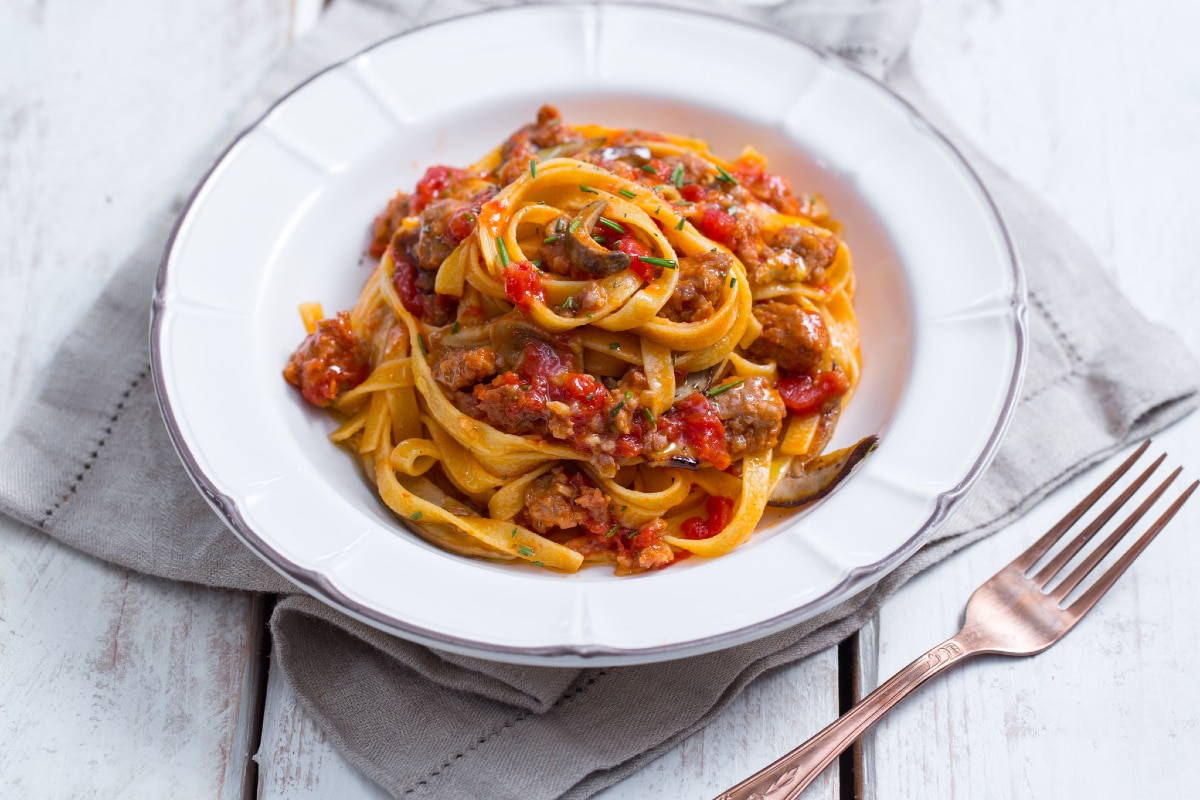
<point>114,684</point>
<point>772,716</point>
<point>117,684</point>
<point>1096,107</point>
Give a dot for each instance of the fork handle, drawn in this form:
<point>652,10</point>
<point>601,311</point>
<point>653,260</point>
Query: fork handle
<point>787,777</point>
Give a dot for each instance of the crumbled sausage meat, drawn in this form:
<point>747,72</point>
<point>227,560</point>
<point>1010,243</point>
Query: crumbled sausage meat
<point>752,414</point>
<point>559,500</point>
<point>460,368</point>
<point>795,339</point>
<point>797,254</point>
<point>699,287</point>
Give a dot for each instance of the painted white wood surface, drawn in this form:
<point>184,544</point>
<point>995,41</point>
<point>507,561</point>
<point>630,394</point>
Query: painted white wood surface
<point>1097,106</point>
<point>113,684</point>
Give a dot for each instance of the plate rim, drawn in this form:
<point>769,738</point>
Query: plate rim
<point>321,586</point>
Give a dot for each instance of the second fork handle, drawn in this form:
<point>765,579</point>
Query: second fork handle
<point>787,777</point>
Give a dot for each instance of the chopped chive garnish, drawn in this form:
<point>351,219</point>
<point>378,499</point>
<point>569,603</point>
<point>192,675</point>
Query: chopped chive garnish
<point>560,224</point>
<point>617,408</point>
<point>657,210</point>
<point>649,415</point>
<point>587,189</point>
<point>725,388</point>
<point>659,262</point>
<point>421,341</point>
<point>732,282</point>
<point>677,176</point>
<point>648,168</point>
<point>725,176</point>
<point>533,167</point>
<point>611,531</point>
<point>628,394</point>
<point>682,220</point>
<point>550,240</point>
<point>514,532</point>
<point>600,239</point>
<point>570,303</point>
<point>631,533</point>
<point>537,264</point>
<point>616,226</point>
<point>614,345</point>
<point>574,226</point>
<point>454,327</point>
<point>591,396</point>
<point>538,564</point>
<point>684,203</point>
<point>415,515</point>
<point>525,551</point>
<point>503,250</point>
<point>627,193</point>
<point>733,210</point>
<point>623,509</point>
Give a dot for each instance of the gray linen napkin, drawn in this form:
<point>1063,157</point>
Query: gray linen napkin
<point>90,464</point>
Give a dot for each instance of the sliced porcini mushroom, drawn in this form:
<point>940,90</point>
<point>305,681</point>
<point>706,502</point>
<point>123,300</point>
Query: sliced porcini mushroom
<point>637,154</point>
<point>510,332</point>
<point>693,382</point>
<point>584,252</point>
<point>683,462</point>
<point>820,476</point>
<point>569,149</point>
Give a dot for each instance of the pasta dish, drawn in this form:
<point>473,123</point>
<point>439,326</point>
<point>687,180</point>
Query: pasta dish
<point>593,345</point>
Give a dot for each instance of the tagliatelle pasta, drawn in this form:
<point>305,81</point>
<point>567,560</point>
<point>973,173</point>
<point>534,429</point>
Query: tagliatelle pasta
<point>592,345</point>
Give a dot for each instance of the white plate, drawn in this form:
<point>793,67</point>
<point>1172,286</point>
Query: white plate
<point>284,215</point>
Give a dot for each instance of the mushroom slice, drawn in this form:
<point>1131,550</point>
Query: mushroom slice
<point>683,462</point>
<point>510,333</point>
<point>584,252</point>
<point>821,475</point>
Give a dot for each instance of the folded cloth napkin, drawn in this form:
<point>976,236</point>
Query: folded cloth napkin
<point>90,464</point>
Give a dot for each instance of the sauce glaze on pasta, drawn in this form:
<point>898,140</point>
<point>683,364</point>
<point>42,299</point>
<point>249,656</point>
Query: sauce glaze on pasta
<point>592,345</point>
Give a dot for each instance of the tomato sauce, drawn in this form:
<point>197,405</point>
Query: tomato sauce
<point>720,512</point>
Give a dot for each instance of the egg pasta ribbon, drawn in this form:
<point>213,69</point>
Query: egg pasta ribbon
<point>593,345</point>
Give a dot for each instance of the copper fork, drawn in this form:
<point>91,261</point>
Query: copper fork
<point>1012,614</point>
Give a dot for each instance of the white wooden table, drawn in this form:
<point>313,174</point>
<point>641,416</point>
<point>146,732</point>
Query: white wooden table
<point>119,685</point>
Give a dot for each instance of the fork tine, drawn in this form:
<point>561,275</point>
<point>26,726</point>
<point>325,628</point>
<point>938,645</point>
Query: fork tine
<point>1097,555</point>
<point>1042,545</point>
<point>1088,599</point>
<point>1060,559</point>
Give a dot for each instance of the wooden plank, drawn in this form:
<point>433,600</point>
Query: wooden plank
<point>1097,110</point>
<point>772,716</point>
<point>115,684</point>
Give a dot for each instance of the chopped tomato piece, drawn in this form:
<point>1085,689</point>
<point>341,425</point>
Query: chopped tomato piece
<point>522,285</point>
<point>435,181</point>
<point>718,225</point>
<point>804,394</point>
<point>461,223</point>
<point>632,246</point>
<point>694,420</point>
<point>692,192</point>
<point>720,512</point>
